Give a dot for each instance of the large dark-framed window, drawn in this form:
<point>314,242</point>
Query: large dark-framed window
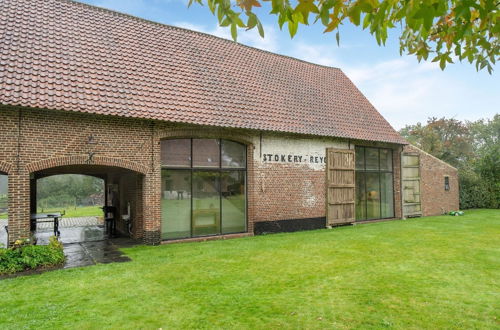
<point>374,183</point>
<point>204,183</point>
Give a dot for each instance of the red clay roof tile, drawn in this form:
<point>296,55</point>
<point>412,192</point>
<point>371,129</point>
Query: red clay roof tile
<point>64,55</point>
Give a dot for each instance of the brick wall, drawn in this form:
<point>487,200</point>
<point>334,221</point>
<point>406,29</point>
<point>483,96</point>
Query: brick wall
<point>290,176</point>
<point>288,185</point>
<point>435,199</point>
<point>36,140</point>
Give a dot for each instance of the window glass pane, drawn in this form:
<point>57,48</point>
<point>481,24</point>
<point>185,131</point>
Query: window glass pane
<point>372,196</point>
<point>371,155</point>
<point>206,153</point>
<point>176,153</point>
<point>233,154</point>
<point>360,197</point>
<point>233,202</point>
<point>386,195</point>
<point>176,204</point>
<point>3,197</point>
<point>206,203</point>
<point>386,159</point>
<point>360,158</point>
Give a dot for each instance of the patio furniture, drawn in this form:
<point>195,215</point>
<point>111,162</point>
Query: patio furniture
<point>211,217</point>
<point>47,217</point>
<point>109,218</point>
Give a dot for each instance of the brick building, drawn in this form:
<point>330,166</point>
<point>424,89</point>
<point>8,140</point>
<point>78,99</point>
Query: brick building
<point>201,136</point>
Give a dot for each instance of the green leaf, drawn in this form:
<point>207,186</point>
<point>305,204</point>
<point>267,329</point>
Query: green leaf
<point>236,19</point>
<point>292,28</point>
<point>366,21</point>
<point>260,28</point>
<point>305,7</point>
<point>220,13</point>
<point>211,6</point>
<point>354,14</point>
<point>442,62</point>
<point>252,20</point>
<point>225,22</point>
<point>337,37</point>
<point>324,14</point>
<point>234,31</point>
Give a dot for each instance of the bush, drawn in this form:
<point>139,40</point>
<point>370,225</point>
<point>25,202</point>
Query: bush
<point>477,192</point>
<point>23,256</point>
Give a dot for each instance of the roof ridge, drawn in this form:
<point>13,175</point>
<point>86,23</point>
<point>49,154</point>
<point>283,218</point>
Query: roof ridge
<point>145,20</point>
<point>155,71</point>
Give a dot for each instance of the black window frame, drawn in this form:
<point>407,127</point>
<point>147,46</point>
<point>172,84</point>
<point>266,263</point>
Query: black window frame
<point>380,172</point>
<point>446,183</point>
<point>218,169</point>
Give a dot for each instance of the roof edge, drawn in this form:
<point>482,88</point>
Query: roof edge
<point>347,138</point>
<point>434,157</point>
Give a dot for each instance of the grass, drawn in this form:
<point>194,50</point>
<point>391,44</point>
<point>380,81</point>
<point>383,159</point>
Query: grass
<point>79,211</point>
<point>71,211</point>
<point>430,273</point>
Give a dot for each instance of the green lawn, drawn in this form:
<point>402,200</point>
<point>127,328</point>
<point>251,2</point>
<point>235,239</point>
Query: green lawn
<point>79,211</point>
<point>430,273</point>
<point>71,211</point>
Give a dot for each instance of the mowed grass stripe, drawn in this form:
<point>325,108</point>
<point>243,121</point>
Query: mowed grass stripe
<point>436,272</point>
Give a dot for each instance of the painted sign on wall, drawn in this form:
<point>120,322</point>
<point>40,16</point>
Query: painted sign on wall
<point>310,152</point>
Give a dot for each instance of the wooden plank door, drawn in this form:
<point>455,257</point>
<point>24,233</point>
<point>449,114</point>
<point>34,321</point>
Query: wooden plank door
<point>412,206</point>
<point>340,186</point>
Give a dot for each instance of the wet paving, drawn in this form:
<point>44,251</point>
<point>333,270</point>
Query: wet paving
<point>90,253</point>
<point>86,245</point>
<point>72,234</point>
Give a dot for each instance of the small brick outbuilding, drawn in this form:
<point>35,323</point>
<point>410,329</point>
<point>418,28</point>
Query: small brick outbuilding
<point>201,136</point>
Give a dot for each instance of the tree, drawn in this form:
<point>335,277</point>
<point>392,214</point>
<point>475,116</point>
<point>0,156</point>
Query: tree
<point>447,139</point>
<point>67,189</point>
<point>465,29</point>
<point>472,147</point>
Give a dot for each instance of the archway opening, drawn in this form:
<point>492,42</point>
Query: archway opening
<point>79,196</point>
<point>90,202</point>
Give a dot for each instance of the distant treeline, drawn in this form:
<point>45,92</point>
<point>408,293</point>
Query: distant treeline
<point>69,190</point>
<point>3,184</point>
<point>472,147</point>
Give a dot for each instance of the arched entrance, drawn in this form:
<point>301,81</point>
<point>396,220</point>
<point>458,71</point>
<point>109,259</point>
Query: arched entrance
<point>122,201</point>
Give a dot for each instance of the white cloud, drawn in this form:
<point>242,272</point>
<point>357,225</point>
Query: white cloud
<point>405,92</point>
<point>402,90</point>
<point>323,55</point>
<point>249,38</point>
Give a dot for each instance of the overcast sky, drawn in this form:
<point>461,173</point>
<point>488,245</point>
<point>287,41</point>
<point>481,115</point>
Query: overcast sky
<point>403,90</point>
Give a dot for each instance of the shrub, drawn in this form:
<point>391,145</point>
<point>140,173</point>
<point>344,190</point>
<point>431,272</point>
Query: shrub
<point>477,192</point>
<point>23,256</point>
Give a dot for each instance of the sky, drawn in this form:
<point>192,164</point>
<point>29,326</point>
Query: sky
<point>403,90</point>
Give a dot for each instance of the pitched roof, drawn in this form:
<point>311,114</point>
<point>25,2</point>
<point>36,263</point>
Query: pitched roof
<point>65,55</point>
